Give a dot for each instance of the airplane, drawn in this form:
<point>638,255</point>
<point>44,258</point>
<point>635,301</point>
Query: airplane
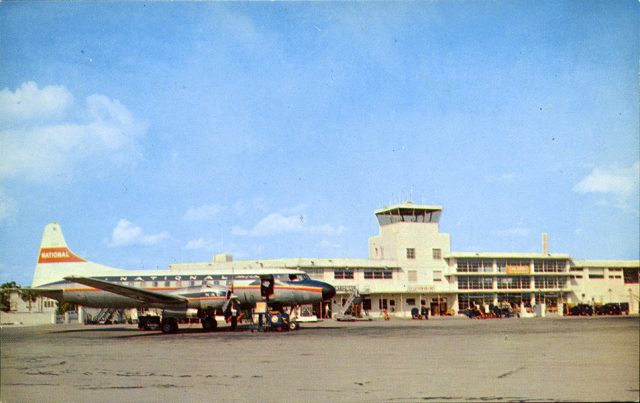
<point>62,275</point>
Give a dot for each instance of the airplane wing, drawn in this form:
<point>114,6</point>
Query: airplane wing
<point>137,293</point>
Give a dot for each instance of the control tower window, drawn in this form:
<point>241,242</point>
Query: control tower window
<point>425,214</point>
<point>411,253</point>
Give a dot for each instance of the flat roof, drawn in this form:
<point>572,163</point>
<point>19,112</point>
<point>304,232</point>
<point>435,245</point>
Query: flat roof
<point>508,255</point>
<point>607,263</point>
<point>290,263</point>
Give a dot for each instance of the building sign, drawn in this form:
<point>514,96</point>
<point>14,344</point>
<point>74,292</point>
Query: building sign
<point>345,288</point>
<point>420,288</point>
<point>518,269</point>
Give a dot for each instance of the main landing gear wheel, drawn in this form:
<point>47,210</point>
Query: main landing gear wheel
<point>169,325</point>
<point>209,324</point>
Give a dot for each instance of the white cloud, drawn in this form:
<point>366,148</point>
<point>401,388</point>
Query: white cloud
<point>276,223</point>
<point>620,181</point>
<point>272,224</point>
<point>619,187</point>
<point>126,234</point>
<point>202,243</point>
<point>202,213</point>
<point>28,103</point>
<point>103,131</point>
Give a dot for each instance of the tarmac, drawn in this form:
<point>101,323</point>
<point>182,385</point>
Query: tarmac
<point>439,360</point>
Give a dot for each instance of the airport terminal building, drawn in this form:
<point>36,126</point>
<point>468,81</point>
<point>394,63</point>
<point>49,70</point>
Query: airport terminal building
<point>411,265</point>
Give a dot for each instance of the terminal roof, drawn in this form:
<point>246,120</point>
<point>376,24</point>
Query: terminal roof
<point>607,263</point>
<point>507,255</point>
<point>290,263</point>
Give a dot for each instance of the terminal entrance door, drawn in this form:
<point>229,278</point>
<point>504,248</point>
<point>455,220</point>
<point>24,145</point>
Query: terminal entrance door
<point>438,306</point>
<point>383,304</point>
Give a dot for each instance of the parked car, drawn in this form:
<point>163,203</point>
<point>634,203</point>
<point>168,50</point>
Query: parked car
<point>581,310</point>
<point>609,309</point>
<point>624,307</point>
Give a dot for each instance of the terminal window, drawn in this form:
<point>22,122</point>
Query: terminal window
<point>411,253</point>
<point>631,276</point>
<point>475,283</point>
<point>549,266</point>
<point>343,274</point>
<point>514,283</point>
<point>437,254</point>
<point>550,282</point>
<point>596,273</point>
<point>475,265</point>
<point>378,275</point>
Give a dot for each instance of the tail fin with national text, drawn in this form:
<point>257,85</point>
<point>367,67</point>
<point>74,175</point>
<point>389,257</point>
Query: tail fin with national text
<point>56,260</point>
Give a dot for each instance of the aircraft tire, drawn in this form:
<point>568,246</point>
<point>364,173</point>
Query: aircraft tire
<point>169,325</point>
<point>209,324</point>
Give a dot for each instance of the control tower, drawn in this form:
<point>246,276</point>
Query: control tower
<point>409,234</point>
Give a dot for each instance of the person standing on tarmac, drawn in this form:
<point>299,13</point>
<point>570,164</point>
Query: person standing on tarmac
<point>235,312</point>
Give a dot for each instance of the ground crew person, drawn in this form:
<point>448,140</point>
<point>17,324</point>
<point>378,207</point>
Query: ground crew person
<point>235,312</point>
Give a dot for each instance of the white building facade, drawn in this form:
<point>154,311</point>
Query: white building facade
<point>39,311</point>
<point>411,265</point>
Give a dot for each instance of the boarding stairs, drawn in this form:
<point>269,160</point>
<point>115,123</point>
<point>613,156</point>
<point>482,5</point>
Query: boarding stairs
<point>354,298</point>
<point>104,315</point>
<point>347,305</point>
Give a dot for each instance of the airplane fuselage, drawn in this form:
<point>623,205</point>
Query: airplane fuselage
<point>199,289</point>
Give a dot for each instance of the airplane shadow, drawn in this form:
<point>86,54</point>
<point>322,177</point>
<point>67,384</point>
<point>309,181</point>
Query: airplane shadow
<point>135,333</point>
<point>95,329</point>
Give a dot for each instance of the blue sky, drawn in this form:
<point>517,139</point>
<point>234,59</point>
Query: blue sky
<point>166,132</point>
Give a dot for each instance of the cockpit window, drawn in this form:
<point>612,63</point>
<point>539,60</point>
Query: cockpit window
<point>298,277</point>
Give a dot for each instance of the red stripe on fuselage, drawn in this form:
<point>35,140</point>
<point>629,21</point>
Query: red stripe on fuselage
<point>282,287</point>
<point>206,298</point>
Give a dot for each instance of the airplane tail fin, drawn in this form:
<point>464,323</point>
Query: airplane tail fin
<point>56,260</point>
<point>54,249</point>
